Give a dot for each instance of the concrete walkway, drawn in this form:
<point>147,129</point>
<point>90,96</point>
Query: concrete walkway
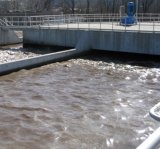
<point>140,27</point>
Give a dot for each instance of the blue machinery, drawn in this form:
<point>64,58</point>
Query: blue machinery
<point>130,19</point>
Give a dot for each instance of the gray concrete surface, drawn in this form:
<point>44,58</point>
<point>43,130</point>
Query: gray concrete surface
<point>36,61</point>
<point>9,37</point>
<point>132,42</point>
<point>140,27</point>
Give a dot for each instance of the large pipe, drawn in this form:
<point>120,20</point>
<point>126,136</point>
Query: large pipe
<point>155,112</point>
<point>152,141</point>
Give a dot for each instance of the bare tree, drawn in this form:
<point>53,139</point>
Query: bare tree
<point>88,6</point>
<point>80,6</point>
<point>146,4</point>
<point>103,6</point>
<point>70,4</point>
<point>47,4</point>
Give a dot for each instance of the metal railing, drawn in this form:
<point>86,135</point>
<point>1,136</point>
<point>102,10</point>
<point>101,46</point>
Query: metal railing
<point>145,22</point>
<point>3,22</point>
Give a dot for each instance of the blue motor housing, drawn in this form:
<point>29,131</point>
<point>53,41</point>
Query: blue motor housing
<point>130,19</point>
<point>130,11</point>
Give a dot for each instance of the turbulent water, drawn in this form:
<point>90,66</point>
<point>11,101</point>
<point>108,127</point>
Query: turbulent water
<point>93,102</point>
<point>17,52</point>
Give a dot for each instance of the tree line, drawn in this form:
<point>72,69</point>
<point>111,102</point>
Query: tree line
<point>76,6</point>
<point>108,6</point>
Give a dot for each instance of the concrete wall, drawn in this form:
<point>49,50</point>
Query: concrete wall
<point>132,42</point>
<point>8,37</point>
<point>37,61</point>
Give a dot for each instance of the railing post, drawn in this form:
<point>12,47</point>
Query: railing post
<point>12,20</point>
<point>54,20</point>
<point>139,26</point>
<point>67,22</point>
<point>125,24</point>
<point>36,21</point>
<point>30,21</point>
<point>69,17</point>
<point>88,22</point>
<point>18,21</point>
<point>153,25</point>
<point>112,24</point>
<point>100,23</point>
<point>78,22</point>
<point>58,23</point>
<point>48,21</point>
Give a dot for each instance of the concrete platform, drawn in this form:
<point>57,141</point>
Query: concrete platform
<point>140,27</point>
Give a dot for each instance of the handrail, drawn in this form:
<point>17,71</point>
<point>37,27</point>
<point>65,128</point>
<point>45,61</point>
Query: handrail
<point>152,141</point>
<point>151,21</point>
<point>2,22</point>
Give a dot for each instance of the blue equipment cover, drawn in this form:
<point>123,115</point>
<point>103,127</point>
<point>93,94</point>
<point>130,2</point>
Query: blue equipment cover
<point>130,19</point>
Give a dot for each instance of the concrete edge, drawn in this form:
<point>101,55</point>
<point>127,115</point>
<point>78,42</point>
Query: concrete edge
<point>37,61</point>
<point>9,37</point>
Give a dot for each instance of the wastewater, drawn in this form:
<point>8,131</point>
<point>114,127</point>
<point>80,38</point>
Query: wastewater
<point>96,101</point>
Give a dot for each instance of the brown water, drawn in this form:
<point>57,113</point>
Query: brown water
<point>79,104</point>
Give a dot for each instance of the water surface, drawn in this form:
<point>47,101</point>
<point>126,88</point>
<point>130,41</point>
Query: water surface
<point>92,102</point>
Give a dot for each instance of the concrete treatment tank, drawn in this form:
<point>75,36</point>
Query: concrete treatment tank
<point>130,42</point>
